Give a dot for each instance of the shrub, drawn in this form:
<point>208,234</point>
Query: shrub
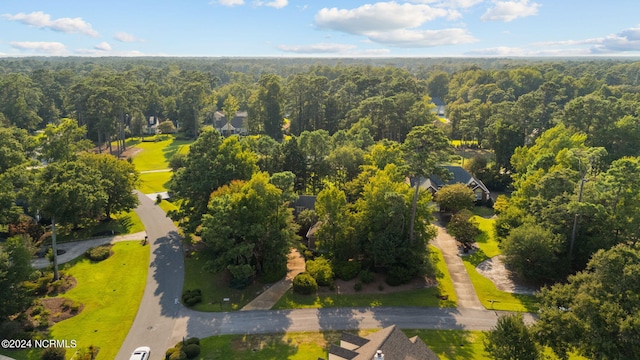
<point>178,355</point>
<point>304,284</point>
<point>398,275</point>
<point>53,353</point>
<point>366,276</point>
<point>320,269</point>
<point>192,350</point>
<point>357,286</point>
<point>191,297</point>
<point>193,340</point>
<point>346,270</point>
<point>170,352</point>
<point>99,253</point>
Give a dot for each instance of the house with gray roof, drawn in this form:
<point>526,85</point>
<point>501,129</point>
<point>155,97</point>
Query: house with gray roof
<point>458,175</point>
<point>389,343</point>
<point>237,125</point>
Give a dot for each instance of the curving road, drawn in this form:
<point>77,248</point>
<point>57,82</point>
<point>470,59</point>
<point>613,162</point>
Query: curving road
<point>162,321</point>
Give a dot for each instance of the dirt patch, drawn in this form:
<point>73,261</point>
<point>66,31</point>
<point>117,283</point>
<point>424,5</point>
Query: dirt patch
<point>504,279</point>
<point>61,308</point>
<point>131,151</point>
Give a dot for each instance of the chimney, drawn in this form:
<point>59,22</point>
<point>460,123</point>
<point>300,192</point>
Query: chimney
<point>379,355</point>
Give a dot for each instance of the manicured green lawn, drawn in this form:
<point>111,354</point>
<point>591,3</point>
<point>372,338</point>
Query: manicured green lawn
<point>489,295</point>
<point>445,284</point>
<point>154,182</point>
<point>448,344</point>
<point>156,155</point>
<point>214,287</point>
<point>111,291</point>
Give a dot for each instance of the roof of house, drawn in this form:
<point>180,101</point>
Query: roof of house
<point>393,343</point>
<point>458,176</point>
<point>305,201</point>
<point>238,121</point>
<point>437,101</point>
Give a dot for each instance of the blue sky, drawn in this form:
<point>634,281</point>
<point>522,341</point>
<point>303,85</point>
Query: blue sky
<point>314,28</point>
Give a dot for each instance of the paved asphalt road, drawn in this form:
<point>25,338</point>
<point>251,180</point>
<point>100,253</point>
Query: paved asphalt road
<point>155,321</point>
<point>161,320</point>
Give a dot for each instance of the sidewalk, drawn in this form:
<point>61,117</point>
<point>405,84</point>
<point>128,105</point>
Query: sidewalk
<point>77,248</point>
<point>465,292</point>
<point>270,296</point>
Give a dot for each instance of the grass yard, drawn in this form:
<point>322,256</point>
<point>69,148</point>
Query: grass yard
<point>448,344</point>
<point>489,295</point>
<point>445,284</point>
<point>111,291</point>
<point>214,287</point>
<point>419,297</point>
<point>443,295</point>
<point>156,155</point>
<point>154,182</point>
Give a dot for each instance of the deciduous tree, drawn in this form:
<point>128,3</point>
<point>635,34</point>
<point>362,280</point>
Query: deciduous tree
<point>249,229</point>
<point>597,311</point>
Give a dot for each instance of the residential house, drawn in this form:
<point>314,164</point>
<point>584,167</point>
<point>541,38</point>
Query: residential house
<point>440,106</point>
<point>458,176</point>
<point>237,125</point>
<point>389,343</point>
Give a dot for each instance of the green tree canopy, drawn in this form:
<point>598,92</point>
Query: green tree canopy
<point>455,197</point>
<point>15,269</point>
<point>119,179</point>
<point>248,229</point>
<point>511,339</point>
<point>211,162</point>
<point>597,311</point>
<point>533,252</point>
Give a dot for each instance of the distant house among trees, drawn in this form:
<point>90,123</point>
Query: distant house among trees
<point>389,343</point>
<point>237,125</point>
<point>440,106</point>
<point>458,176</point>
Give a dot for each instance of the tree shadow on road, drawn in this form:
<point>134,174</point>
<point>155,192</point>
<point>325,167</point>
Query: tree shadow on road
<point>167,269</point>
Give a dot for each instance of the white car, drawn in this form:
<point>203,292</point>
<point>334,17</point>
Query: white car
<point>141,353</point>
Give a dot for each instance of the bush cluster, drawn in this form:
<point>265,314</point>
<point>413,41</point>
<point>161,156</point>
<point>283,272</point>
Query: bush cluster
<point>321,270</point>
<point>305,284</point>
<point>191,297</point>
<point>53,353</point>
<point>366,276</point>
<point>346,270</point>
<point>183,350</point>
<point>99,253</point>
<point>399,275</point>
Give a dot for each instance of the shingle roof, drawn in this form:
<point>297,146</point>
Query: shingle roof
<point>353,339</point>
<point>342,352</point>
<point>393,343</point>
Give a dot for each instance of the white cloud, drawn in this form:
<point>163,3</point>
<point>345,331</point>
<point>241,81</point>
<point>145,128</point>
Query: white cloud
<point>510,10</point>
<point>103,46</point>
<point>423,38</point>
<point>50,48</point>
<point>278,4</point>
<point>320,48</point>
<point>230,2</point>
<point>65,25</point>
<point>455,4</point>
<point>382,16</point>
<point>125,37</point>
<point>624,41</point>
